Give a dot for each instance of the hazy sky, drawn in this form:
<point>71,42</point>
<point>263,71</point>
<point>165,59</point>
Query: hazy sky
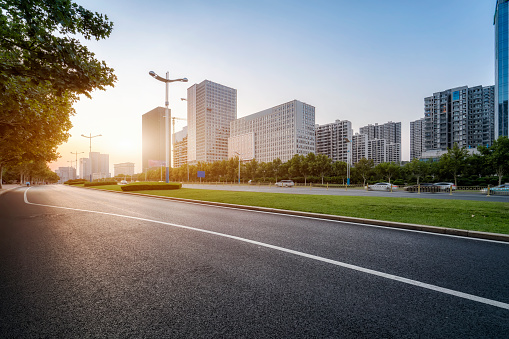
<point>365,61</point>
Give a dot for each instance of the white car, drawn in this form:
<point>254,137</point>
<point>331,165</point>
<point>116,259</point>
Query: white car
<point>285,183</point>
<point>382,186</point>
<point>445,186</point>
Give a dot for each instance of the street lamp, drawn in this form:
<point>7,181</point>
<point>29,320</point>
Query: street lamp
<point>239,164</point>
<point>77,161</point>
<point>90,155</point>
<point>348,160</point>
<point>168,117</point>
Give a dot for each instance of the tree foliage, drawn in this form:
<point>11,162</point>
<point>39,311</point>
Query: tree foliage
<point>37,43</point>
<point>43,70</point>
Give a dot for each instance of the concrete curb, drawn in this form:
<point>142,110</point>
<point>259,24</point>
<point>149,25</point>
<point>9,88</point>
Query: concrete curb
<point>5,190</point>
<point>393,224</point>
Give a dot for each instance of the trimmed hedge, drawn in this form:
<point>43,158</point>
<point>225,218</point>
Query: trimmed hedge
<point>75,181</point>
<point>151,186</point>
<point>102,183</point>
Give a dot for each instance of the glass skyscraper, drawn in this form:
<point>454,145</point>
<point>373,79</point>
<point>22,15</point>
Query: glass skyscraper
<point>501,23</point>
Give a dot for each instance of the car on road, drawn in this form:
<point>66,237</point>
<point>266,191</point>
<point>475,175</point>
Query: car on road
<point>424,187</point>
<point>445,186</point>
<point>123,182</point>
<point>382,186</point>
<point>504,188</point>
<point>285,183</point>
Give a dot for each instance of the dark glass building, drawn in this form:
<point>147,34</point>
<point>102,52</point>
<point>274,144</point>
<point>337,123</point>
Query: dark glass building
<point>501,68</point>
<point>153,138</point>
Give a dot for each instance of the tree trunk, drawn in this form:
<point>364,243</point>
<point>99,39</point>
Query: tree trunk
<point>1,172</point>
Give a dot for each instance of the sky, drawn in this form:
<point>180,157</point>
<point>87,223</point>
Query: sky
<point>365,61</point>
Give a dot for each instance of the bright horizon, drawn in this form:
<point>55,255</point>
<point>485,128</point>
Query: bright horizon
<point>368,62</point>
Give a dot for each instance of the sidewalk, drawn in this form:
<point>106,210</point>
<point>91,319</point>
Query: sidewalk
<point>6,188</point>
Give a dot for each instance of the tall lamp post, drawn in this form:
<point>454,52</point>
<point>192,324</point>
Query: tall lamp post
<point>168,117</point>
<point>90,138</point>
<point>77,162</point>
<point>348,160</point>
<point>239,164</point>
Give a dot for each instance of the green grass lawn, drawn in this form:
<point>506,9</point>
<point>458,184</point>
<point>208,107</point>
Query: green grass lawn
<point>469,215</point>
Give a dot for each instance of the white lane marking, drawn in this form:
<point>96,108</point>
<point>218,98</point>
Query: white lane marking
<point>322,219</point>
<point>302,254</point>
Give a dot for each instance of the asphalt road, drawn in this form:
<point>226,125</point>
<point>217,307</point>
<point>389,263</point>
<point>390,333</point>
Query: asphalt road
<point>400,193</point>
<point>79,263</point>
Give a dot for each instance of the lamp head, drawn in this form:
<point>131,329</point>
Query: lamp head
<point>184,80</point>
<point>152,73</point>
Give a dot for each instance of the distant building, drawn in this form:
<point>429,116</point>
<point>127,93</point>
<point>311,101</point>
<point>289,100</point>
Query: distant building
<point>180,148</point>
<point>359,147</point>
<point>416,138</point>
<point>210,109</point>
<point>333,140</point>
<point>278,132</point>
<point>65,173</point>
<point>125,168</point>
<point>153,139</point>
<point>96,166</point>
<point>462,115</point>
<point>383,142</point>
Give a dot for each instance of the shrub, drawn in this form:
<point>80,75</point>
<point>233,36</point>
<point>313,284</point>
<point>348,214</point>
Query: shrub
<point>150,186</point>
<point>102,183</point>
<point>75,181</point>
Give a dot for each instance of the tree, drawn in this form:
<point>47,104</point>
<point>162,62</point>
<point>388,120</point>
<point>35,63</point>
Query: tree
<point>35,120</point>
<point>454,161</point>
<point>387,170</point>
<point>418,168</point>
<point>497,156</point>
<point>339,169</point>
<point>364,168</point>
<point>37,44</point>
<point>276,167</point>
<point>322,165</point>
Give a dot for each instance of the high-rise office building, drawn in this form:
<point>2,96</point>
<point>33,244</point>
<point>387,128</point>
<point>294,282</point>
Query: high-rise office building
<point>461,115</point>
<point>180,148</point>
<point>278,132</point>
<point>125,168</point>
<point>416,138</point>
<point>333,140</point>
<point>210,109</point>
<point>153,132</point>
<point>65,173</point>
<point>501,22</point>
<point>96,166</point>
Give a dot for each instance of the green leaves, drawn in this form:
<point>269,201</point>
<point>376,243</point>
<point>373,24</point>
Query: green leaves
<point>36,45</point>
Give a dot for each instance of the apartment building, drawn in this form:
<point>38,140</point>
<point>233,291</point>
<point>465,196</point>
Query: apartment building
<point>383,142</point>
<point>125,168</point>
<point>462,115</point>
<point>333,140</point>
<point>416,138</point>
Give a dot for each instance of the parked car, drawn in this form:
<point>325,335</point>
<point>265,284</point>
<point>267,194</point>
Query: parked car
<point>285,183</point>
<point>499,189</point>
<point>123,182</point>
<point>445,186</point>
<point>382,186</point>
<point>424,187</point>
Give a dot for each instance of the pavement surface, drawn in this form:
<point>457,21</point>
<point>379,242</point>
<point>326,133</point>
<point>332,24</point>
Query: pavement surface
<point>80,263</point>
<point>400,193</point>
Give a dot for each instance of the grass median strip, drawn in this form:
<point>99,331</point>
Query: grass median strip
<point>468,215</point>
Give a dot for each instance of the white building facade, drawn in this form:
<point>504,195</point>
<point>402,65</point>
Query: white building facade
<point>278,132</point>
<point>125,168</point>
<point>210,109</point>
